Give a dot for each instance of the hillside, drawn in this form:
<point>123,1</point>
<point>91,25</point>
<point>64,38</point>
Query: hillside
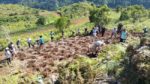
<point>72,57</point>
<point>55,4</point>
<point>17,19</point>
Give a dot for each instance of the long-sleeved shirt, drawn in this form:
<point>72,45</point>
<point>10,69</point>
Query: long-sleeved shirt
<point>8,54</point>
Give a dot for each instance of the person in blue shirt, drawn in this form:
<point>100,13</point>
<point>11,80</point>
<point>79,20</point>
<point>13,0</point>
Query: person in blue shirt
<point>123,36</point>
<point>41,41</point>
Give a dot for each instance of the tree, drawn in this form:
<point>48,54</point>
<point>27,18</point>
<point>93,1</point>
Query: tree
<point>62,23</point>
<point>99,16</point>
<point>124,16</point>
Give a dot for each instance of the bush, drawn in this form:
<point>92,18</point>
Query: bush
<point>41,21</point>
<point>124,16</point>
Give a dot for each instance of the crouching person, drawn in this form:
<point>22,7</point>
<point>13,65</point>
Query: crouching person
<point>96,46</point>
<point>8,56</point>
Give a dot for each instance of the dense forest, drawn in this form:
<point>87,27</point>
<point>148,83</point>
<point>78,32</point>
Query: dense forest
<point>55,4</point>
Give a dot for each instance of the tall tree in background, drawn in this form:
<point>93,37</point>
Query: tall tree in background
<point>99,16</point>
<point>62,23</point>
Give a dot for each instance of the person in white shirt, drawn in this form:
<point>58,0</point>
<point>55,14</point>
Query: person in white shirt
<point>95,47</point>
<point>29,41</point>
<point>114,33</point>
<point>94,32</point>
<point>8,56</point>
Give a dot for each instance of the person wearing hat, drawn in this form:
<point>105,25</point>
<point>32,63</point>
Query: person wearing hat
<point>8,56</point>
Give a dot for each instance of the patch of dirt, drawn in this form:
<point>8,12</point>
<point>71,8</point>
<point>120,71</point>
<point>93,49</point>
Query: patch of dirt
<point>44,60</point>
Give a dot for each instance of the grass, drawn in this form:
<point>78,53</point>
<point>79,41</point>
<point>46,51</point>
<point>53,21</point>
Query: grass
<point>76,23</point>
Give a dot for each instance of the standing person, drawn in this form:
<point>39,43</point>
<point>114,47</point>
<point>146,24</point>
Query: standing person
<point>78,31</point>
<point>96,27</point>
<point>103,31</point>
<point>37,41</point>
<point>86,31</point>
<point>123,36</point>
<point>145,30</point>
<point>41,42</point>
<point>94,32</point>
<point>52,35</point>
<point>63,34</point>
<point>11,48</point>
<point>114,33</point>
<point>29,41</point>
<point>8,56</point>
<point>119,29</point>
<point>99,29</point>
<point>18,43</point>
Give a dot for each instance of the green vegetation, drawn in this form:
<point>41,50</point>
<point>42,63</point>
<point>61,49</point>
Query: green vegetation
<point>76,10</point>
<point>62,23</point>
<point>115,59</point>
<point>18,21</point>
<point>99,16</point>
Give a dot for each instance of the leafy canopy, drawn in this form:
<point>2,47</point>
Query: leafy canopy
<point>62,23</point>
<point>99,16</point>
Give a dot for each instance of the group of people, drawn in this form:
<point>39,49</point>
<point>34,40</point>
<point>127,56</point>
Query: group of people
<point>10,51</point>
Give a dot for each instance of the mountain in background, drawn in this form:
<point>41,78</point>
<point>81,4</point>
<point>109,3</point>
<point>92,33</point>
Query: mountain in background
<point>54,4</point>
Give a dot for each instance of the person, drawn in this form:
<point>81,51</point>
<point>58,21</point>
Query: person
<point>96,46</point>
<point>18,43</point>
<point>11,48</point>
<point>36,42</point>
<point>119,29</point>
<point>8,56</point>
<point>52,35</point>
<point>123,36</point>
<point>86,31</point>
<point>10,45</point>
<point>145,30</point>
<point>103,31</point>
<point>96,27</point>
<point>114,33</point>
<point>41,42</point>
<point>94,32</point>
<point>78,31</point>
<point>29,41</point>
<point>63,34</point>
<point>99,29</point>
